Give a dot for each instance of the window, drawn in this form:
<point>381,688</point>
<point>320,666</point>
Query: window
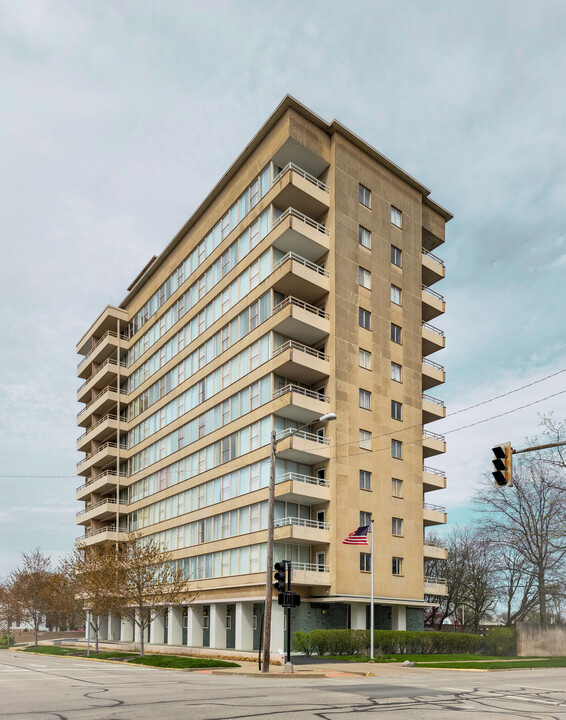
<point>364,278</point>
<point>396,449</point>
<point>365,518</point>
<point>395,256</point>
<point>396,410</point>
<point>396,372</point>
<point>365,439</point>
<point>397,566</point>
<point>364,319</point>
<point>397,526</point>
<point>396,487</point>
<point>364,360</point>
<point>365,480</point>
<point>396,216</point>
<point>395,295</point>
<point>365,399</point>
<point>365,562</point>
<point>365,196</point>
<point>395,333</point>
<point>364,237</point>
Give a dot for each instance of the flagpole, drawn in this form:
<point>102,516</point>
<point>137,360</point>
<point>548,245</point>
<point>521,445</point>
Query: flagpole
<point>371,622</point>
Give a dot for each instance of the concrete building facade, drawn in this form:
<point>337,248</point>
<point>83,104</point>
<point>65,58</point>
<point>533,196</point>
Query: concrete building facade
<point>301,286</point>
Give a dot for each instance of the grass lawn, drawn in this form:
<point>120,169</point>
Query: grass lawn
<point>76,652</point>
<point>506,664</point>
<point>435,658</point>
<point>175,661</point>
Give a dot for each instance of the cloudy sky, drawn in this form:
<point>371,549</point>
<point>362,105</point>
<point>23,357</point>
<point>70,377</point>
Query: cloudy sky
<point>117,118</point>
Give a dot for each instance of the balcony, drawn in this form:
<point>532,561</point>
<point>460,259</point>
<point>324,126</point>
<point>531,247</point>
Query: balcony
<point>299,404</point>
<point>303,489</point>
<point>302,447</point>
<point>433,303</point>
<point>435,586</point>
<point>106,401</point>
<point>433,374</point>
<point>433,479</point>
<point>300,362</point>
<point>294,187</point>
<point>102,510</point>
<point>300,321</point>
<point>434,550</point>
<point>433,339</point>
<point>105,534</point>
<point>309,532</point>
<point>295,232</point>
<point>433,409</point>
<point>101,431</point>
<point>433,444</point>
<point>103,457</point>
<point>101,484</point>
<point>310,574</point>
<point>433,515</point>
<point>433,268</point>
<point>107,320</point>
<point>100,378</point>
<point>102,348</point>
<point>296,276</point>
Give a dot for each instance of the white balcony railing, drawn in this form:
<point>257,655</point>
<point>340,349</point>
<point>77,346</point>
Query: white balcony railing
<point>434,400</point>
<point>303,434</point>
<point>302,261</point>
<point>303,173</point>
<point>108,501</point>
<point>295,302</point>
<point>435,543</point>
<point>108,333</point>
<point>108,361</point>
<point>302,522</point>
<point>433,329</point>
<point>433,436</point>
<point>435,294</point>
<point>434,471</point>
<point>433,364</point>
<point>294,345</point>
<point>308,479</point>
<point>436,508</point>
<point>433,257</point>
<point>108,389</point>
<point>106,473</point>
<point>291,212</point>
<point>310,567</point>
<point>106,445</point>
<point>300,391</point>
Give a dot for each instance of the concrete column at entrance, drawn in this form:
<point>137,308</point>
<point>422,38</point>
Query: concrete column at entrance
<point>103,627</point>
<point>398,617</point>
<point>127,630</point>
<point>157,633</point>
<point>218,625</point>
<point>277,628</point>
<point>113,627</point>
<point>195,624</point>
<point>244,626</point>
<point>358,616</point>
<point>175,626</point>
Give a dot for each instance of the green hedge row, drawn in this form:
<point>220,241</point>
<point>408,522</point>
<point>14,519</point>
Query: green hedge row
<point>390,642</point>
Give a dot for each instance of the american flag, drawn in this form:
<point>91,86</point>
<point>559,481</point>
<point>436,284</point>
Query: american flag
<point>358,537</point>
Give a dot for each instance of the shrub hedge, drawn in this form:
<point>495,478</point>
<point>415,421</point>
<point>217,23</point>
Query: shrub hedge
<point>388,642</point>
<point>500,641</point>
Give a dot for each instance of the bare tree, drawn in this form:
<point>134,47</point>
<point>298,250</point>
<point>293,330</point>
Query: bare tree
<point>147,582</point>
<point>527,521</point>
<point>31,587</point>
<point>92,574</point>
<point>479,592</point>
<point>516,588</point>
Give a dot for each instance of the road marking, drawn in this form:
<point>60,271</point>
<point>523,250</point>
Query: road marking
<point>531,700</point>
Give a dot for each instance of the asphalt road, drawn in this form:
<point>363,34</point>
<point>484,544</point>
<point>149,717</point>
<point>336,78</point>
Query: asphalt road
<point>45,688</point>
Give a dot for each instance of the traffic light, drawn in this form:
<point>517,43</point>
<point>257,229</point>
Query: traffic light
<point>502,463</point>
<point>280,577</point>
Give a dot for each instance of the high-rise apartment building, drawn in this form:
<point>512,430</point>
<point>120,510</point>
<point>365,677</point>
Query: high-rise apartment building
<point>301,286</point>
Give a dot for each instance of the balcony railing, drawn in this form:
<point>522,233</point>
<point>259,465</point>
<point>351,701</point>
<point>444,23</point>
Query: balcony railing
<point>433,436</point>
<point>435,294</point>
<point>289,432</point>
<point>108,333</point>
<point>303,173</point>
<point>433,364</point>
<point>302,261</point>
<point>434,400</point>
<point>295,302</point>
<point>302,522</point>
<point>436,508</point>
<point>294,345</point>
<point>97,397</point>
<point>310,567</point>
<point>429,580</point>
<point>296,477</point>
<point>433,257</point>
<point>108,416</point>
<point>108,501</point>
<point>291,212</point>
<point>106,445</point>
<point>300,391</point>
<point>93,533</point>
<point>433,329</point>
<point>434,471</point>
<point>108,361</point>
<point>435,543</point>
<point>106,473</point>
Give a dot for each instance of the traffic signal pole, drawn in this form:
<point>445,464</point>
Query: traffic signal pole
<point>503,460</point>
